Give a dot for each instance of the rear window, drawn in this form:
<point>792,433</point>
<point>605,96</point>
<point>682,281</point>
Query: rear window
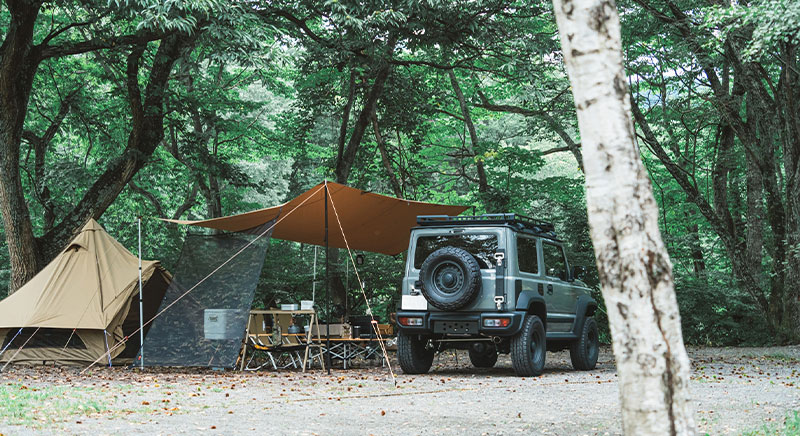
<point>483,247</point>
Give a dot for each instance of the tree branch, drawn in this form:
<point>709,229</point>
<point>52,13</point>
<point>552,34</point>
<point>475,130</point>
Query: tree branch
<point>57,32</point>
<point>572,146</point>
<point>71,48</point>
<point>149,196</point>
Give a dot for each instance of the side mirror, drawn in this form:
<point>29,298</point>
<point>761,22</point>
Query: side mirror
<point>578,272</point>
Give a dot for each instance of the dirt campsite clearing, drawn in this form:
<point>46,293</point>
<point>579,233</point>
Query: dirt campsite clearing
<point>735,390</point>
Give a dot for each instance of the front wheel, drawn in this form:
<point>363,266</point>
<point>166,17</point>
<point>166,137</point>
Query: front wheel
<point>528,348</point>
<point>413,353</point>
<point>583,351</point>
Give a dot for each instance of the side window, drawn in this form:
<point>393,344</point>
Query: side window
<point>526,254</point>
<point>554,263</point>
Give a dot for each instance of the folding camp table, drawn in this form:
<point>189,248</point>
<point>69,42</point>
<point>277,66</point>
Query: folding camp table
<point>347,349</point>
<point>287,343</point>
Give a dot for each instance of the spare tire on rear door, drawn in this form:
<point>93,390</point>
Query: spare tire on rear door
<point>451,278</point>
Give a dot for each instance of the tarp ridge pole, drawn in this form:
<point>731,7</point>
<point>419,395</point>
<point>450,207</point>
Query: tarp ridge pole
<point>314,282</point>
<point>141,305</point>
<point>327,285</point>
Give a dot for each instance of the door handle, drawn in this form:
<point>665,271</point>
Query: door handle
<point>549,289</point>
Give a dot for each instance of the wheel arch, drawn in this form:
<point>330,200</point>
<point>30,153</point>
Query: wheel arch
<point>533,304</point>
<point>585,307</point>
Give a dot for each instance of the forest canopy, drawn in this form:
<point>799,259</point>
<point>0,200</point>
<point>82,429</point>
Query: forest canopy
<point>196,109</point>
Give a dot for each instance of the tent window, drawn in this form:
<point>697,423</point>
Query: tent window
<point>44,338</point>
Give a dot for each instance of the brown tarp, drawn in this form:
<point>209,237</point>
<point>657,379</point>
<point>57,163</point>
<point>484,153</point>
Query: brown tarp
<point>90,287</point>
<point>371,222</point>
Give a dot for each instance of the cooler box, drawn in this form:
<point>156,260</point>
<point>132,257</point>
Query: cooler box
<point>220,324</point>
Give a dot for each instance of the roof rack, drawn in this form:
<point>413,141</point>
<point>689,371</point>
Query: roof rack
<point>520,222</point>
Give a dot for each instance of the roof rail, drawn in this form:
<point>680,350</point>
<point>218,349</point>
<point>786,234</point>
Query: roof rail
<point>521,222</point>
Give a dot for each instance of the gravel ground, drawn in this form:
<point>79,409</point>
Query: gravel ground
<point>735,389</point>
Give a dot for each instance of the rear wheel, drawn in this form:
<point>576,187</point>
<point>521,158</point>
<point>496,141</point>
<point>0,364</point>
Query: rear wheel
<point>414,355</point>
<point>528,348</point>
<point>583,352</point>
<point>483,355</point>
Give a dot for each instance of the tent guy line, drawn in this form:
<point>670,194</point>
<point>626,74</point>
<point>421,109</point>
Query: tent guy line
<point>373,324</point>
<point>20,349</point>
<point>72,333</point>
<point>249,244</point>
<point>10,342</point>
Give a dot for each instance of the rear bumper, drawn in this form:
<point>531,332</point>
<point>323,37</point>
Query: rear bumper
<point>461,324</point>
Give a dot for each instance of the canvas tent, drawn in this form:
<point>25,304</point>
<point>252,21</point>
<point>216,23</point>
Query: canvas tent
<point>90,287</point>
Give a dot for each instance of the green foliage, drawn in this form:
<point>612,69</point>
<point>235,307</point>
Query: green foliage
<point>40,406</point>
<point>789,427</point>
<point>254,116</point>
<point>769,23</point>
<point>709,320</point>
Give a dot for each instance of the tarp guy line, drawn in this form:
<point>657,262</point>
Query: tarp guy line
<point>374,324</point>
<point>200,282</point>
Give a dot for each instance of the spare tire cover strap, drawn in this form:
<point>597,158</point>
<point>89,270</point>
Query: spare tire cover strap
<point>500,281</point>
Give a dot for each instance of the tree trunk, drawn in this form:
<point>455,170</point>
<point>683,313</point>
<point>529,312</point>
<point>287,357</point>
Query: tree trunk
<point>483,183</point>
<point>351,96</point>
<point>634,268</point>
<point>18,64</point>
<point>345,162</point>
<point>387,163</point>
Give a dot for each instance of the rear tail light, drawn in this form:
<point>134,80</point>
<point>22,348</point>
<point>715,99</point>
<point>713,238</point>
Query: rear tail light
<point>496,322</point>
<point>411,321</point>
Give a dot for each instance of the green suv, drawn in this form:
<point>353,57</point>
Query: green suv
<point>494,283</point>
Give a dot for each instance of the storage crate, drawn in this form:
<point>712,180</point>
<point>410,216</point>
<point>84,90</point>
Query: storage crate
<point>386,329</point>
<point>337,330</point>
<point>222,324</point>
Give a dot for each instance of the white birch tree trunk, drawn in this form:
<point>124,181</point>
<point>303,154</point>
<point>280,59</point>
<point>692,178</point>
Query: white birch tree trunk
<point>634,267</point>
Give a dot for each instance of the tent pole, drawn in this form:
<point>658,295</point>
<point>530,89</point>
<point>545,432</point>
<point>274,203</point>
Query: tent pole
<point>314,282</point>
<point>141,310</point>
<point>327,285</point>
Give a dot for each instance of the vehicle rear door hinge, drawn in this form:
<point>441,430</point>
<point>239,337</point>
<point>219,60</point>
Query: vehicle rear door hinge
<point>500,279</point>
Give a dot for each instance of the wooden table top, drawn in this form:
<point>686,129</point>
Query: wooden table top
<point>280,312</point>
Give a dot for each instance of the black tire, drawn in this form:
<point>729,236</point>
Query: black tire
<point>414,356</point>
<point>583,352</point>
<point>483,358</point>
<point>451,278</point>
<point>529,348</point>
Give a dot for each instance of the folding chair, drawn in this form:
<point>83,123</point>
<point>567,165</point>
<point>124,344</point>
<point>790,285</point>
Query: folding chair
<point>281,352</point>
